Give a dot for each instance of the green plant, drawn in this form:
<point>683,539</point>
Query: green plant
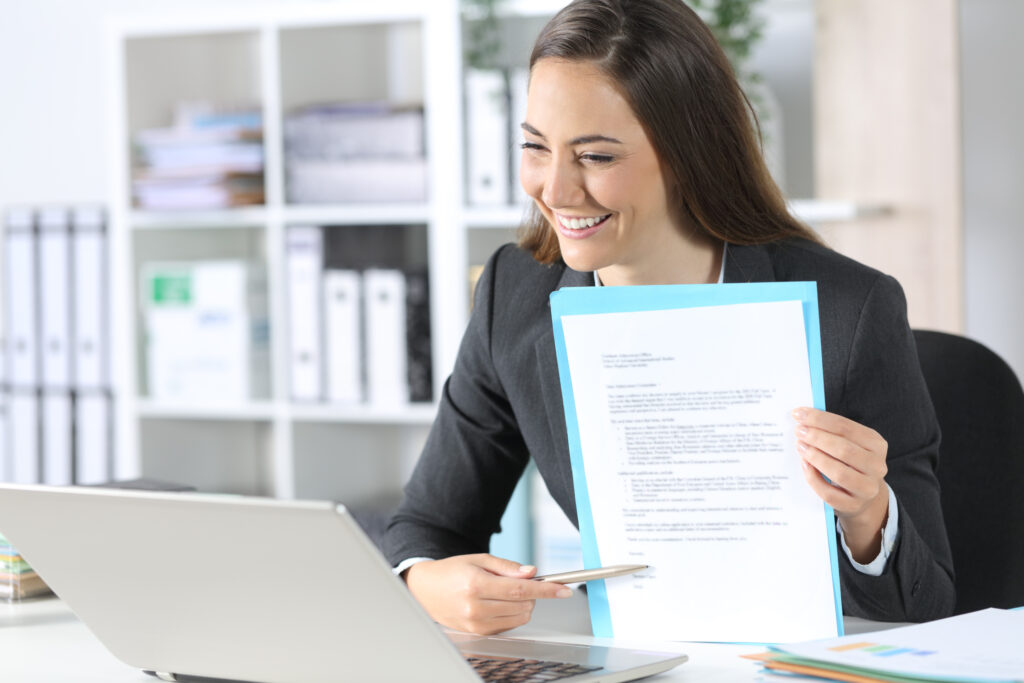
<point>483,33</point>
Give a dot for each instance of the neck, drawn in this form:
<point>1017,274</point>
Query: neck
<point>693,259</point>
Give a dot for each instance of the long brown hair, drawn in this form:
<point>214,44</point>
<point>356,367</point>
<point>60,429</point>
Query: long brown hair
<point>682,89</point>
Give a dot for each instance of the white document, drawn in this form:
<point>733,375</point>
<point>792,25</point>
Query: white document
<point>487,143</point>
<point>691,467</point>
<point>55,297</point>
<point>90,332</point>
<point>92,446</point>
<point>979,646</point>
<point>21,302</point>
<point>343,335</point>
<point>304,254</point>
<point>56,439</point>
<point>387,370</point>
<point>23,425</point>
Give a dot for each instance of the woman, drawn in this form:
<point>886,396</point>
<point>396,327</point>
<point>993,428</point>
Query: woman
<point>644,168</point>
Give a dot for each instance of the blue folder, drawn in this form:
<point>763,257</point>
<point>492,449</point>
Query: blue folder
<point>596,300</point>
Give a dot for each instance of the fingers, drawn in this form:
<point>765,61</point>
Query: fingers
<point>865,437</point>
<point>848,489</point>
<point>503,567</point>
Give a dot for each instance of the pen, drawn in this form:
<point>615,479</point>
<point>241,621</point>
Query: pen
<point>581,575</point>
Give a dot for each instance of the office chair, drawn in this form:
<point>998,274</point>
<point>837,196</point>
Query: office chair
<point>980,408</point>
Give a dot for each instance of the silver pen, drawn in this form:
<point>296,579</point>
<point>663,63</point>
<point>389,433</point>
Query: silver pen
<point>581,575</point>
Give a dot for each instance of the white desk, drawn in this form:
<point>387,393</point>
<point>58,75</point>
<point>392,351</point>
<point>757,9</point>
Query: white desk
<point>41,641</point>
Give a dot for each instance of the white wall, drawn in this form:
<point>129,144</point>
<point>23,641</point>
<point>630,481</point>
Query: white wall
<point>993,100</point>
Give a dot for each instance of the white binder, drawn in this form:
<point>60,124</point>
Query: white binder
<point>93,438</point>
<point>55,298</point>
<point>386,356</point>
<point>5,451</point>
<point>20,298</point>
<point>56,439</point>
<point>90,343</point>
<point>487,162</point>
<point>304,254</point>
<point>343,335</point>
<point>23,424</point>
<point>519,84</point>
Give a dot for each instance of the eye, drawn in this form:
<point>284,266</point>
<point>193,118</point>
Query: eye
<point>532,146</point>
<point>597,158</point>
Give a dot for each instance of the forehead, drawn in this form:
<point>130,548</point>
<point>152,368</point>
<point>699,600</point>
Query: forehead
<point>571,98</point>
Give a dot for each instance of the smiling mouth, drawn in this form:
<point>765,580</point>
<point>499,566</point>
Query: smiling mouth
<point>581,222</point>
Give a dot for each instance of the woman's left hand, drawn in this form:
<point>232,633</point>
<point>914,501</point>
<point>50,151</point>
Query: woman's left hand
<point>852,456</point>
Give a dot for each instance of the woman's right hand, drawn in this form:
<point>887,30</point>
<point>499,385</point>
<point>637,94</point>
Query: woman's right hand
<point>479,593</point>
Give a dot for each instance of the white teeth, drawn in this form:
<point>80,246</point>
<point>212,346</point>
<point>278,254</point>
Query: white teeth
<point>578,223</point>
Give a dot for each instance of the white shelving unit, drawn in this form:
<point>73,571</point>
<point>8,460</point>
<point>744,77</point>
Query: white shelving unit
<point>281,57</point>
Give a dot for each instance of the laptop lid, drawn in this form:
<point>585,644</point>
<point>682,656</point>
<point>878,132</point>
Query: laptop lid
<point>250,589</point>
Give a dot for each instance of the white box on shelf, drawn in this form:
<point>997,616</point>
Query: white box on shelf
<point>90,343</point>
<point>93,438</point>
<point>343,331</point>
<point>23,438</point>
<point>206,331</point>
<point>387,374</point>
<point>304,259</point>
<point>56,439</point>
<point>55,298</point>
<point>487,138</point>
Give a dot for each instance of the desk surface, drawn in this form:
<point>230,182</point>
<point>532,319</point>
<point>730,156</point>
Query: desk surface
<point>43,642</point>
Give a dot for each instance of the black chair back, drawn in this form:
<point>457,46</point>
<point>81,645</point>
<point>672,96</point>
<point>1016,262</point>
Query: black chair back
<point>980,408</point>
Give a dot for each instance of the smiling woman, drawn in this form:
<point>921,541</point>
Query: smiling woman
<point>641,156</point>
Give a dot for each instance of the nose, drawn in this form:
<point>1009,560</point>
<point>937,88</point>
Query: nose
<point>563,184</point>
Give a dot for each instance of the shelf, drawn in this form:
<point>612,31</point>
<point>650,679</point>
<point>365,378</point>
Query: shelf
<point>808,210</point>
<point>242,217</point>
<point>259,411</point>
<point>413,414</point>
<point>357,214</point>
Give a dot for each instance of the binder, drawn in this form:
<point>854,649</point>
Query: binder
<point>487,141</point>
<point>386,355</point>
<point>418,345</point>
<point>93,427</point>
<point>5,451</point>
<point>20,299</point>
<point>343,335</point>
<point>23,424</point>
<point>55,298</point>
<point>90,343</point>
<point>57,462</point>
<point>304,257</point>
<point>519,84</point>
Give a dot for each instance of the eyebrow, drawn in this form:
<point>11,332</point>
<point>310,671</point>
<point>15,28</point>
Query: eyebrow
<point>581,140</point>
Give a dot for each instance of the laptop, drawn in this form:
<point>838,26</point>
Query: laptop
<point>197,587</point>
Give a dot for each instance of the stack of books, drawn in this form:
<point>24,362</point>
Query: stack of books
<point>17,580</point>
<point>208,159</point>
<point>355,152</point>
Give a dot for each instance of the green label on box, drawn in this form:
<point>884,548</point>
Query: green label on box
<point>171,289</point>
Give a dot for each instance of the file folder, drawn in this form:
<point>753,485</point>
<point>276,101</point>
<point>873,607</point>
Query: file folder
<point>20,299</point>
<point>304,254</point>
<point>90,343</point>
<point>386,352</point>
<point>343,335</point>
<point>56,439</point>
<point>93,427</point>
<point>23,424</point>
<point>54,297</point>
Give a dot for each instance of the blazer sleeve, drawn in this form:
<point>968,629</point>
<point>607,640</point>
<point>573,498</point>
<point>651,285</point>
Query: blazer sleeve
<point>473,457</point>
<point>884,389</point>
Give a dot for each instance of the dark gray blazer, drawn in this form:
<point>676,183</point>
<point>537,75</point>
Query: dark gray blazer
<point>503,404</point>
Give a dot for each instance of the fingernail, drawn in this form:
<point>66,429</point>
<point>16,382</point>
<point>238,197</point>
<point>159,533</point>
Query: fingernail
<point>801,446</point>
<point>564,592</point>
<point>526,568</point>
<point>801,431</point>
<point>799,414</point>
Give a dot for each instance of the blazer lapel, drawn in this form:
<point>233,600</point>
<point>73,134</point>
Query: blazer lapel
<point>750,263</point>
<point>551,391</point>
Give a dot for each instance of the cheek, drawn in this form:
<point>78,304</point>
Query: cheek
<point>531,175</point>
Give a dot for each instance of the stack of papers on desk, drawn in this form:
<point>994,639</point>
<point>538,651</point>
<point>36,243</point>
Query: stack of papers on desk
<point>17,579</point>
<point>980,647</point>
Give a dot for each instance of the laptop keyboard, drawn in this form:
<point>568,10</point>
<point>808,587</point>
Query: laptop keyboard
<point>512,670</point>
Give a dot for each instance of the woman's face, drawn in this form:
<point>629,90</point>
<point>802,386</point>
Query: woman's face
<point>593,173</point>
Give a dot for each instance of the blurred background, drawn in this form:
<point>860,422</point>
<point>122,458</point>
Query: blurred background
<point>240,239</point>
